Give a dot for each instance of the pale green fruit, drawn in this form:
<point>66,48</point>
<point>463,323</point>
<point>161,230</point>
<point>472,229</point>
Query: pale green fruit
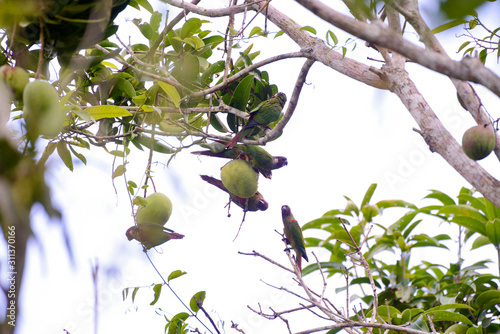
<point>479,141</point>
<point>157,210</point>
<point>16,78</point>
<point>42,110</point>
<point>239,178</point>
<point>457,329</point>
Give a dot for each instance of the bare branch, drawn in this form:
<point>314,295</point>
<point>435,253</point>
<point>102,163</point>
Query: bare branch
<point>254,253</point>
<point>216,12</point>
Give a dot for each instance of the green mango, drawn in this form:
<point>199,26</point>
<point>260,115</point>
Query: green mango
<point>157,210</point>
<point>16,78</point>
<point>42,110</point>
<point>240,178</point>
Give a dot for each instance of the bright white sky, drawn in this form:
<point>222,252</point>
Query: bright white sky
<point>343,137</point>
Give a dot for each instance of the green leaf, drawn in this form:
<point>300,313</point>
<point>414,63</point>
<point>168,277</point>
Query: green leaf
<point>493,231</point>
<point>463,210</point>
<point>47,153</point>
<point>83,114</point>
<point>463,46</point>
<point>471,223</point>
<point>126,87</point>
<point>242,93</point>
<point>119,171</point>
<point>149,143</point>
<point>171,92</point>
<point>480,241</point>
<point>448,25</point>
<point>190,27</point>
<point>197,301</point>
<point>368,194</point>
<point>448,316</point>
<point>134,293</point>
<point>482,55</point>
<point>157,290</point>
<point>331,36</point>
<point>217,124</point>
<point>155,21</point>
<point>174,274</point>
<point>107,111</point>
<point>393,203</point>
<point>488,299</point>
<point>310,29</point>
<point>78,155</point>
<point>255,31</point>
<point>64,154</point>
<point>279,33</point>
<point>145,4</point>
<point>440,196</point>
<point>450,307</point>
<point>336,266</point>
<point>117,153</point>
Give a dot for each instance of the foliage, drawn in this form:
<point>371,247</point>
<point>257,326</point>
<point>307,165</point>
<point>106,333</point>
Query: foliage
<point>158,94</point>
<point>413,289</point>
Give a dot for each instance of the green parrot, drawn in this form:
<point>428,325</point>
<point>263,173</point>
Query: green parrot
<point>151,235</point>
<point>254,203</point>
<point>293,235</point>
<point>261,160</point>
<point>265,113</point>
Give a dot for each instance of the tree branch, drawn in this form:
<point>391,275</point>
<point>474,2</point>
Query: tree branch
<point>215,12</point>
<point>468,69</point>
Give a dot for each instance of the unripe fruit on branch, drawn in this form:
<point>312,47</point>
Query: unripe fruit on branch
<point>42,110</point>
<point>157,210</point>
<point>479,141</point>
<point>16,78</point>
<point>239,178</point>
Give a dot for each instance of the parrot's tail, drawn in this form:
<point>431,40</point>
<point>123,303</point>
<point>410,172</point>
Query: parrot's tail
<point>214,181</point>
<point>175,235</point>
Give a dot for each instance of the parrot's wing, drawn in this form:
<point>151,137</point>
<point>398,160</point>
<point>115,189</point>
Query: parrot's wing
<point>298,238</point>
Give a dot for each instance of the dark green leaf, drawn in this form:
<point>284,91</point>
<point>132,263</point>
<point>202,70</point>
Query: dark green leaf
<point>448,316</point>
<point>64,154</point>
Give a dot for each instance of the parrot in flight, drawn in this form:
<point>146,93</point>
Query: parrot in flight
<point>265,113</point>
<point>254,203</point>
<point>293,235</point>
<point>261,160</point>
<point>151,235</point>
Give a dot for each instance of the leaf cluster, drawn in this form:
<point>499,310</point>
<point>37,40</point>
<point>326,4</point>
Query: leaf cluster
<point>449,294</point>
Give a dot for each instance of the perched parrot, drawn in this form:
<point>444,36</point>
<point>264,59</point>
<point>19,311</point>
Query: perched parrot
<point>261,160</point>
<point>265,113</point>
<point>254,203</point>
<point>151,235</point>
<point>293,235</point>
